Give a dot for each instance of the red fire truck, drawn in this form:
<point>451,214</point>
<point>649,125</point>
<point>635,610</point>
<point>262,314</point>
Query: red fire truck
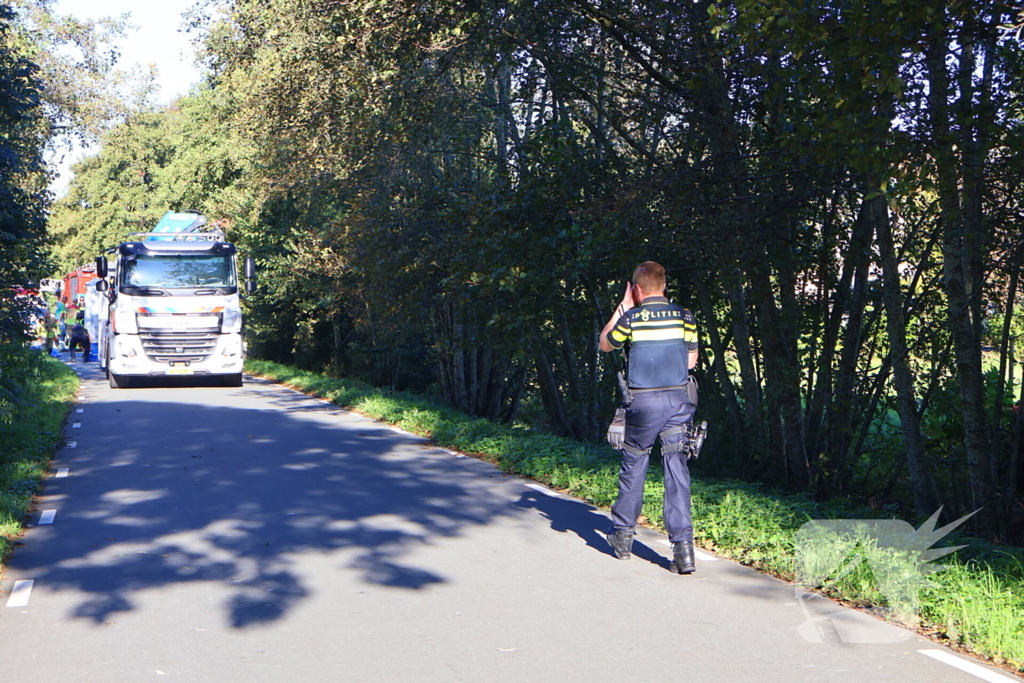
<point>72,291</point>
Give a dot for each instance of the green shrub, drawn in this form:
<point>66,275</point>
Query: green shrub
<point>37,392</point>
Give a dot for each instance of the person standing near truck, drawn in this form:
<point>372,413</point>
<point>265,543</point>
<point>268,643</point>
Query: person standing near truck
<point>80,338</point>
<point>662,340</point>
<point>49,331</point>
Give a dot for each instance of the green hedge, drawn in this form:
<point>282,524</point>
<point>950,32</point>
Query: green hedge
<point>36,393</point>
<point>977,603</point>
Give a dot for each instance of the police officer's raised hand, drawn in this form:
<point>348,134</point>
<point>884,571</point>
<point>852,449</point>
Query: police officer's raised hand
<point>627,303</point>
<point>627,300</point>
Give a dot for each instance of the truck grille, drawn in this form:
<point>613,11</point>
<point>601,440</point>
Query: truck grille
<point>178,347</point>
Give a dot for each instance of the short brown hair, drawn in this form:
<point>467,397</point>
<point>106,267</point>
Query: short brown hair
<point>650,276</point>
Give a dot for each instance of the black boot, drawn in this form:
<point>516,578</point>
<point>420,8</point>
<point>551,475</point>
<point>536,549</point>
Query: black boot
<point>622,543</point>
<point>682,557</point>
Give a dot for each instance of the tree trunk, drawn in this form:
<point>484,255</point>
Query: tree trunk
<point>754,432</point>
<point>782,380</point>
<point>956,283</point>
<point>840,420</point>
<point>921,482</point>
<point>551,396</point>
<point>718,365</point>
<point>1004,348</point>
<point>1015,476</point>
<point>573,378</point>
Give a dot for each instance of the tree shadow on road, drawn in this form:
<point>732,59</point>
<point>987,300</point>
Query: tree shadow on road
<point>172,493</point>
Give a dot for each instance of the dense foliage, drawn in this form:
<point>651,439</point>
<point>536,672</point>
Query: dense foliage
<point>57,83</point>
<point>451,198</point>
<point>41,390</point>
<point>22,182</point>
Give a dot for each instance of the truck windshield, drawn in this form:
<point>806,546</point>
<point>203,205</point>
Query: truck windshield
<point>178,271</point>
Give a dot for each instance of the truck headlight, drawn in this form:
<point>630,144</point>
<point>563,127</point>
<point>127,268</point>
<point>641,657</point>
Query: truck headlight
<point>232,320</point>
<point>232,346</point>
<point>125,321</point>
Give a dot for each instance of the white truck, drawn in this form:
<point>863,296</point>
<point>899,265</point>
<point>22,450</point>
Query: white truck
<point>172,300</point>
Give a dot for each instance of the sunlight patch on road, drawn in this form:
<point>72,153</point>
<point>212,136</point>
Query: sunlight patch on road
<point>133,496</point>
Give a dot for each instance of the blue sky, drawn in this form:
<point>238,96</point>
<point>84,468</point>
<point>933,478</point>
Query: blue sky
<point>158,39</point>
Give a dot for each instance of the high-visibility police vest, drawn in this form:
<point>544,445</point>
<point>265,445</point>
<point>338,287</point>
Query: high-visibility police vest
<point>661,337</point>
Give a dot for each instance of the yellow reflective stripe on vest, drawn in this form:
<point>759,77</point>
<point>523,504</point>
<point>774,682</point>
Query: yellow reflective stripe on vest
<point>644,334</point>
<point>658,323</point>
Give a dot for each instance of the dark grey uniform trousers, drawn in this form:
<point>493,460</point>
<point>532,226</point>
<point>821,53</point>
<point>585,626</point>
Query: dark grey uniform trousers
<point>650,413</point>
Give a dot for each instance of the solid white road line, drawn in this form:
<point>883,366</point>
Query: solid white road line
<point>19,596</point>
<point>967,667</point>
<point>62,472</point>
<point>47,516</point>
<point>545,491</point>
<point>699,554</point>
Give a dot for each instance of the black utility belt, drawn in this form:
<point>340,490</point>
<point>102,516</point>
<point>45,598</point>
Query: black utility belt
<point>690,387</point>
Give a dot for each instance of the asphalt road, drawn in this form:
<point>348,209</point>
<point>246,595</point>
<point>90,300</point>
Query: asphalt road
<point>255,534</point>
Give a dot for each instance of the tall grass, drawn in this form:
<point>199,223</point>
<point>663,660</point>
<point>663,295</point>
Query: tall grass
<point>976,603</point>
<point>38,391</point>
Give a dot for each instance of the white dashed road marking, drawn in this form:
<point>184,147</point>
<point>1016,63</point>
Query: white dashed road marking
<point>19,596</point>
<point>77,425</point>
<point>62,472</point>
<point>967,667</point>
<point>47,516</point>
<point>80,410</point>
<point>72,444</point>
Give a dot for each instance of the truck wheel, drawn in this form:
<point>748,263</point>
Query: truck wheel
<point>232,380</point>
<point>119,381</point>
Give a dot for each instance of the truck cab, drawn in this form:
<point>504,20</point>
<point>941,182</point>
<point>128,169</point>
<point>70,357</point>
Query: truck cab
<point>173,308</point>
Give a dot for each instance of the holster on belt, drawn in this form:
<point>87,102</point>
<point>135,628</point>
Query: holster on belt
<point>691,390</point>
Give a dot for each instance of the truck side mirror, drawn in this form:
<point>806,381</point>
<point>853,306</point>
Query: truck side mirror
<point>250,275</point>
<point>102,285</point>
<point>101,266</point>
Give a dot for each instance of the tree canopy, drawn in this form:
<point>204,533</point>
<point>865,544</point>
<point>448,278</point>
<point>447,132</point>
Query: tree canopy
<point>450,197</point>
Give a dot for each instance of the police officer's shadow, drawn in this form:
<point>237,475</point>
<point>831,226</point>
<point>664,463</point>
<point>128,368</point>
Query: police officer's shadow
<point>586,522</point>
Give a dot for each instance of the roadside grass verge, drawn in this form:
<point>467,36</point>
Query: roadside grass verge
<point>976,603</point>
<point>38,392</point>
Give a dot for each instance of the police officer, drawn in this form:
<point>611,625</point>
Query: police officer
<point>662,341</point>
